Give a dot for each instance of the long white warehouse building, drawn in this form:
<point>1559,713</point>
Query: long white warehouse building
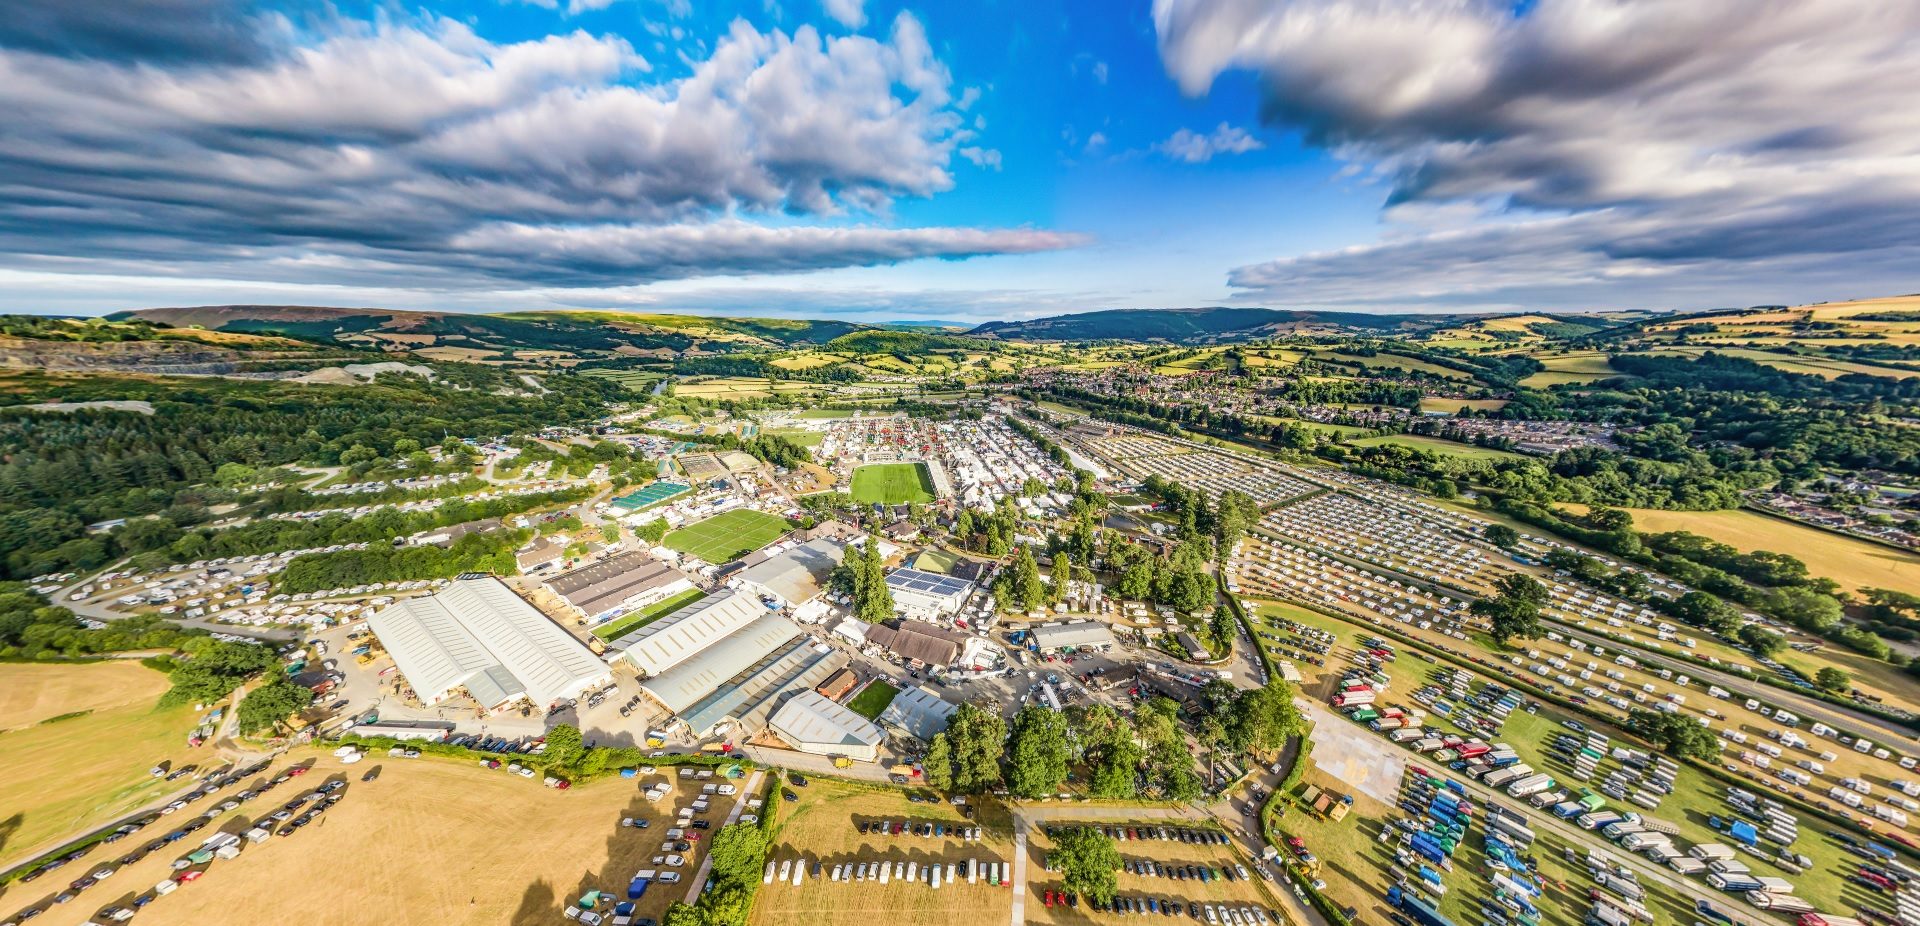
<point>478,636</point>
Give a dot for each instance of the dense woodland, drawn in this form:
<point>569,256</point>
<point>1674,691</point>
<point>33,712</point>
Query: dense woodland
<point>63,471</point>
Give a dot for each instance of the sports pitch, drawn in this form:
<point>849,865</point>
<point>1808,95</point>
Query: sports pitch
<point>892,484</point>
<point>727,536</point>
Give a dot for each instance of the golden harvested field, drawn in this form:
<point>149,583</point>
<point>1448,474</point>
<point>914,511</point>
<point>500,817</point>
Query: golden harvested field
<point>1453,406</point>
<point>1576,367</point>
<point>32,693</point>
<point>429,841</point>
<point>1816,366</point>
<point>1852,563</point>
<point>823,828</point>
<point>737,388</point>
<point>60,777</point>
<point>1391,362</point>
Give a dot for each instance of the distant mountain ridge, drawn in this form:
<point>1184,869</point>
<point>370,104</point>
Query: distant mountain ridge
<point>579,331</point>
<point>1215,323</point>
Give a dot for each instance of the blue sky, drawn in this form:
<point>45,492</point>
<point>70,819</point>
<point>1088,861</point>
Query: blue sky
<point>883,160</point>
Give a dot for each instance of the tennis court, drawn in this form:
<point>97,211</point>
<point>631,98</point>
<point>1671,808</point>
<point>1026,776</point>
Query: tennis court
<point>652,493</point>
<point>727,536</point>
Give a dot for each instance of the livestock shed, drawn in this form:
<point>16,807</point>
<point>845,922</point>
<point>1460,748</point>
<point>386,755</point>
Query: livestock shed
<point>477,636</point>
<point>744,700</point>
<point>794,576</point>
<point>926,595</point>
<point>811,723</point>
<point>1076,635</point>
<point>677,637</point>
<point>838,685</point>
<point>717,660</point>
<point>918,642</point>
<point>618,584</point>
<point>920,712</point>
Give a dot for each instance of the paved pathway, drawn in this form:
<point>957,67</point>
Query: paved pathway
<point>748,790</point>
<point>1020,828</point>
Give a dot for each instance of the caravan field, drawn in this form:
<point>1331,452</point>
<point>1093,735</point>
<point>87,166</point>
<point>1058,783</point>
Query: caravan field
<point>892,484</point>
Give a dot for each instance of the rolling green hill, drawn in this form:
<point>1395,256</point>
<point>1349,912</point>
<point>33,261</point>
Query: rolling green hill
<point>1206,324</point>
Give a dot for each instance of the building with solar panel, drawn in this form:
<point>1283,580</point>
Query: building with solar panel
<point>926,595</point>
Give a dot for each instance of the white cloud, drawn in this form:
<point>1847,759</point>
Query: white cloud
<point>390,148</point>
<point>1194,148</point>
<point>849,13</point>
<point>988,158</point>
<point>1658,149</point>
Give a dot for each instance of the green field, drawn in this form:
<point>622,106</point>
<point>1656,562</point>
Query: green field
<point>892,484</point>
<point>1436,445</point>
<point>801,436</point>
<point>625,622</point>
<point>873,699</point>
<point>67,772</point>
<point>727,536</point>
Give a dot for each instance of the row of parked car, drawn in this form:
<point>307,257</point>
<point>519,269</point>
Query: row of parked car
<point>1139,833</point>
<point>923,830</point>
<point>1214,913</point>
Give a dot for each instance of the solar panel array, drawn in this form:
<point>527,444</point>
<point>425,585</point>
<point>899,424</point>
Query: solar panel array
<point>926,583</point>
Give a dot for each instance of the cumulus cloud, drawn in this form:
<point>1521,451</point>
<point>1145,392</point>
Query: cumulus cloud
<point>1612,152</point>
<point>988,158</point>
<point>405,149</point>
<point>1195,148</point>
<point>849,13</point>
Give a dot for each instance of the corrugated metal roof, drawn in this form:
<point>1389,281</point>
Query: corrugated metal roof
<point>602,586</point>
<point>682,686</point>
<point>810,719</point>
<point>920,712</point>
<point>478,633</point>
<point>797,574</point>
<point>432,649</point>
<point>1090,633</point>
<point>673,639</point>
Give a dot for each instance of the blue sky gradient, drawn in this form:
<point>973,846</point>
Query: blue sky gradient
<point>964,161</point>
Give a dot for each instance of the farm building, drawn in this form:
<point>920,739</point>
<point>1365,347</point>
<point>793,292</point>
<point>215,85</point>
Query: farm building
<point>926,595</point>
<point>924,644</point>
<point>618,584</point>
<point>919,712</point>
<point>1076,635</point>
<point>737,679</point>
<point>838,685</point>
<point>676,637</point>
<point>542,554</point>
<point>476,635</point>
<point>812,723</point>
<point>793,576</point>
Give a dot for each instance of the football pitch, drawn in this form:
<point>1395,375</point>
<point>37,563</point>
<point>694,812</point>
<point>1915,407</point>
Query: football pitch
<point>727,536</point>
<point>892,484</point>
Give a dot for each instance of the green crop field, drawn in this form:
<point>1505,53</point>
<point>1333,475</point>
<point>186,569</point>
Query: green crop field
<point>727,536</point>
<point>892,483</point>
